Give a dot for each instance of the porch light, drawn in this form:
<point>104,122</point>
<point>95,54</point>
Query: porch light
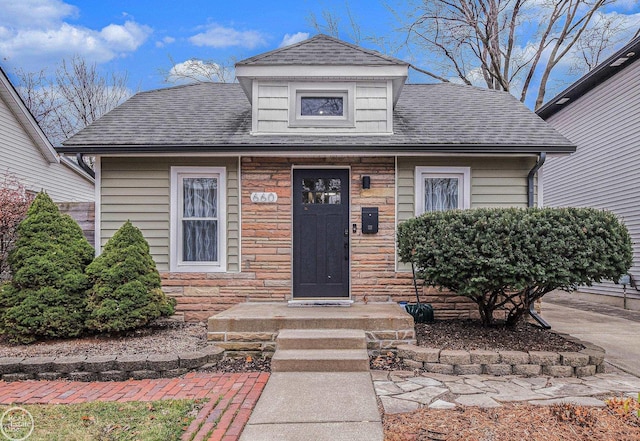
<point>366,182</point>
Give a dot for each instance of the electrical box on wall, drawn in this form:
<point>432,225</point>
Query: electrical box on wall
<point>369,220</point>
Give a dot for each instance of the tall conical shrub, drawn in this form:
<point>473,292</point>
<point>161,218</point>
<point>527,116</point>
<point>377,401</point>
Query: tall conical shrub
<point>126,291</point>
<point>47,295</point>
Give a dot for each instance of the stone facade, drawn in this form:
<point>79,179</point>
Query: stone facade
<point>266,244</point>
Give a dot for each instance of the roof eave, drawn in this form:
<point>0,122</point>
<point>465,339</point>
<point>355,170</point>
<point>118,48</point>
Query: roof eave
<point>275,150</point>
<point>592,79</point>
<point>28,122</point>
<point>246,74</point>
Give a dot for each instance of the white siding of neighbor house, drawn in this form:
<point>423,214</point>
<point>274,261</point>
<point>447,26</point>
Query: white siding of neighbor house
<point>138,189</point>
<point>605,170</point>
<point>373,109</point>
<point>21,157</point>
<point>495,182</point>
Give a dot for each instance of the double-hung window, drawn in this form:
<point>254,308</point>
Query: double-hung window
<point>442,188</point>
<point>198,208</point>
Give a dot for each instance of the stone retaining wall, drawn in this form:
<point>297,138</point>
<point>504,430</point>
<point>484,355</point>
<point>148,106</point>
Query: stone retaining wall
<point>584,363</point>
<point>107,367</point>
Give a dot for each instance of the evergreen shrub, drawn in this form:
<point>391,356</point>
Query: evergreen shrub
<point>505,259</point>
<point>126,291</point>
<point>47,294</point>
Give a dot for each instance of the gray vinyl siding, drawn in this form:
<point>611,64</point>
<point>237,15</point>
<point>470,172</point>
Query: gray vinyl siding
<point>139,190</point>
<point>21,157</point>
<point>372,109</point>
<point>495,182</point>
<point>605,170</point>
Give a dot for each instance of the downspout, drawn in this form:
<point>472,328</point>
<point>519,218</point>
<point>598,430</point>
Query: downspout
<point>530,203</point>
<point>83,165</point>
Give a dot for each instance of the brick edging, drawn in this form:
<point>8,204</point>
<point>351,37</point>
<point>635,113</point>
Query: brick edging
<point>107,367</point>
<point>586,362</point>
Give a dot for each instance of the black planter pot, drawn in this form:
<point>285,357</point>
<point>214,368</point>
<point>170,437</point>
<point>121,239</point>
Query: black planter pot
<point>421,312</point>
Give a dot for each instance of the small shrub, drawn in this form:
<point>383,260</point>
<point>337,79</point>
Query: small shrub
<point>46,298</point>
<point>126,291</point>
<point>14,203</point>
<point>505,259</point>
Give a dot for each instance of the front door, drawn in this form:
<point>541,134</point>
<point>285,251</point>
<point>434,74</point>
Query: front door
<point>320,233</point>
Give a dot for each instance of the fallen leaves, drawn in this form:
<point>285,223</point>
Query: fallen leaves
<point>510,422</point>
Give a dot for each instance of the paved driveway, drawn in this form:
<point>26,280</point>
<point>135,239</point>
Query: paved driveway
<point>614,329</point>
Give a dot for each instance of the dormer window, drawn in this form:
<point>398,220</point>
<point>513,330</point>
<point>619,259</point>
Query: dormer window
<point>321,105</point>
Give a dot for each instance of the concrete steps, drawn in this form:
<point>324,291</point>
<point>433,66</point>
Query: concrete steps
<point>320,350</point>
<point>321,339</point>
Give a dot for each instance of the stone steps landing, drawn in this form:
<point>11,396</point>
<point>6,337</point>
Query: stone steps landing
<point>252,328</point>
<point>321,350</point>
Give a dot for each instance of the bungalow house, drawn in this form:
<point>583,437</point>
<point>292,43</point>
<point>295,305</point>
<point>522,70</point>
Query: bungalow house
<point>289,184</point>
<point>27,154</point>
<point>600,113</point>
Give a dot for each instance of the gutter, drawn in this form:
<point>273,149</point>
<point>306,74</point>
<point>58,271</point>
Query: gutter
<point>83,165</point>
<point>530,201</point>
<point>344,148</point>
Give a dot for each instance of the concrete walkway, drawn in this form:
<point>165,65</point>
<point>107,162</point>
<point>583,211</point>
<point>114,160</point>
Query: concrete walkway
<point>319,406</point>
<point>614,329</point>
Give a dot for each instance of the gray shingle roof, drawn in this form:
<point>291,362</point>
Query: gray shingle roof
<point>322,50</point>
<point>217,117</point>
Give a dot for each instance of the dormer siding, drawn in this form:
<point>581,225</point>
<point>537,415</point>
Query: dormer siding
<point>274,107</point>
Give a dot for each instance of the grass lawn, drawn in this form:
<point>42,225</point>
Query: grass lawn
<point>108,421</point>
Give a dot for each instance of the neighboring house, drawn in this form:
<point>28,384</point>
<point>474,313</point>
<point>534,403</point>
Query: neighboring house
<point>600,113</point>
<point>27,154</point>
<point>289,184</point>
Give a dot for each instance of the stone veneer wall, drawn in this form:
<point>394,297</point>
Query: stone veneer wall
<point>266,244</point>
<point>241,344</point>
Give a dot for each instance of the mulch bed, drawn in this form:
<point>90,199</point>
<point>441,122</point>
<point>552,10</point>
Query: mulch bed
<point>563,422</point>
<point>470,334</point>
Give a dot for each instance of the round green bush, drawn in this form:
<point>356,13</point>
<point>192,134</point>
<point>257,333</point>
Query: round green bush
<point>505,259</point>
<point>46,297</point>
<point>126,291</point>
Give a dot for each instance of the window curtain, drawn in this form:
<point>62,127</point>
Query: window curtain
<point>440,194</point>
<point>200,220</point>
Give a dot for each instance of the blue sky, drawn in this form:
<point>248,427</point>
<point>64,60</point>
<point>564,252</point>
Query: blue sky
<point>140,36</point>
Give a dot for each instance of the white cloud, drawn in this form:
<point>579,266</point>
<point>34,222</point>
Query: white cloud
<point>165,41</point>
<point>34,33</point>
<point>195,70</point>
<point>127,37</point>
<point>34,13</point>
<point>220,37</point>
<point>627,4</point>
<point>290,39</point>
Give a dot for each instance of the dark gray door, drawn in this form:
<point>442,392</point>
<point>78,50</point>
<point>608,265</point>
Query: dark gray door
<point>320,233</point>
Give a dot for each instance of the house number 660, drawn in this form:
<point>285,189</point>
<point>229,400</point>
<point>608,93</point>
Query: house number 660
<point>264,198</point>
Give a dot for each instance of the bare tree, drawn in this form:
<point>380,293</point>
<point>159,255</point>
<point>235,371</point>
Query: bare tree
<point>41,98</point>
<point>74,97</point>
<point>506,43</point>
<point>195,70</point>
<point>595,41</point>
<point>86,94</point>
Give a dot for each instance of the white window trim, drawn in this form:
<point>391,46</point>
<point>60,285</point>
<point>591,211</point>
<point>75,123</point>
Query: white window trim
<point>464,173</point>
<point>299,90</point>
<point>175,264</point>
